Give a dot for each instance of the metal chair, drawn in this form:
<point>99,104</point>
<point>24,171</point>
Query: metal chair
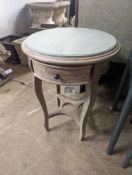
<point>127,160</point>
<point>124,112</point>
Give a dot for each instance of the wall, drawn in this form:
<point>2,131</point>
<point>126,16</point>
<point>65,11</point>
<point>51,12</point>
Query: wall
<point>15,18</point>
<point>113,16</point>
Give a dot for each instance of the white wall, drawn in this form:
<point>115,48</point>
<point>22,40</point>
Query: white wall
<point>14,16</point>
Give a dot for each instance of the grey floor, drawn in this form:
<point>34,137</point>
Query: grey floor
<point>26,148</point>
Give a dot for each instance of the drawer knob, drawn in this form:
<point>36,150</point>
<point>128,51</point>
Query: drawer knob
<point>57,76</point>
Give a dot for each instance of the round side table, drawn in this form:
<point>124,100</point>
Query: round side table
<point>69,56</point>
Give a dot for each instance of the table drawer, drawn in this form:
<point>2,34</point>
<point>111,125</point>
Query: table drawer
<point>60,74</point>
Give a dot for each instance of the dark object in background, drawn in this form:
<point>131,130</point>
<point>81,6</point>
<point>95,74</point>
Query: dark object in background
<point>73,13</point>
<point>49,26</point>
<point>113,74</point>
<point>124,112</point>
<point>72,8</point>
<point>5,76</point>
<point>7,42</point>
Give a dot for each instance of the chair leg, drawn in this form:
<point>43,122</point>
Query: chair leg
<point>125,74</point>
<point>120,124</point>
<point>127,160</point>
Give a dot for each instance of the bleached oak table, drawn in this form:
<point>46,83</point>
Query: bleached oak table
<point>69,56</point>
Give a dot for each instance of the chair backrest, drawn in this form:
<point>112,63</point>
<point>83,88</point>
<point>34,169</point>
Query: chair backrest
<point>112,16</point>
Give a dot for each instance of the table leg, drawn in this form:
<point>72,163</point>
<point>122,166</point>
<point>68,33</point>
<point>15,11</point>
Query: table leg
<point>127,160</point>
<point>87,108</point>
<point>40,96</point>
<point>88,103</point>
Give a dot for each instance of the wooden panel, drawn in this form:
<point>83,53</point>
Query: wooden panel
<point>62,75</point>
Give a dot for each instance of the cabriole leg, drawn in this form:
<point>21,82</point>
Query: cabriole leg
<point>98,69</point>
<point>40,96</point>
<point>87,108</point>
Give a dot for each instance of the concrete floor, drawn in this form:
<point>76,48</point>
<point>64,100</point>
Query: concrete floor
<point>26,148</point>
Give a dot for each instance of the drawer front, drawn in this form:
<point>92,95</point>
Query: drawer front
<point>62,75</point>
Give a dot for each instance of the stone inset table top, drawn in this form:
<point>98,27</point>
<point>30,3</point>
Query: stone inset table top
<point>70,42</point>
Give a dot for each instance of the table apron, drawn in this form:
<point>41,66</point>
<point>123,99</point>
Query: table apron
<point>64,75</point>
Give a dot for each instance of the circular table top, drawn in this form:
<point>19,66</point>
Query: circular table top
<point>67,43</point>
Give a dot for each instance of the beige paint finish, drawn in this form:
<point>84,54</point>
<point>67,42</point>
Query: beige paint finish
<point>84,45</point>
